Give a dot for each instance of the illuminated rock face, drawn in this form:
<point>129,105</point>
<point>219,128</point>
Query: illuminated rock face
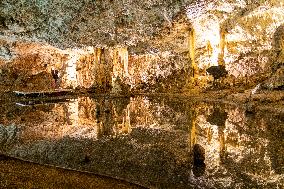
<point>239,34</point>
<point>31,65</point>
<point>155,43</point>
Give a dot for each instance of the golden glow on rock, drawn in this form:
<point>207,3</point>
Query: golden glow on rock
<point>120,66</point>
<point>239,41</point>
<point>207,35</point>
<point>191,55</point>
<point>71,73</point>
<point>221,60</point>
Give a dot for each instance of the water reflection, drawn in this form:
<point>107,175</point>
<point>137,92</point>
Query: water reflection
<point>218,117</point>
<point>156,142</point>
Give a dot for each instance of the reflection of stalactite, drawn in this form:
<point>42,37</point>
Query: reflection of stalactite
<point>71,111</point>
<point>127,125</point>
<point>86,106</point>
<point>110,117</point>
<point>192,139</point>
<point>193,134</point>
<point>218,117</point>
<point>122,119</point>
<point>107,119</point>
<point>222,143</point>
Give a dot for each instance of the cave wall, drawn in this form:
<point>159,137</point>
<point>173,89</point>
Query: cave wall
<point>245,36</point>
<point>28,67</point>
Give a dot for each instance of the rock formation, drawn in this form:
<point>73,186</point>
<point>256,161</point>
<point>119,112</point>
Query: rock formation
<point>160,46</point>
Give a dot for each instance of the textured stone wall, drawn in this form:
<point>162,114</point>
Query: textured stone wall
<point>244,35</point>
<point>29,67</point>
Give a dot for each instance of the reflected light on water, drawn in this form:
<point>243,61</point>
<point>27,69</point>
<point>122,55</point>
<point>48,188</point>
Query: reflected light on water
<point>153,138</point>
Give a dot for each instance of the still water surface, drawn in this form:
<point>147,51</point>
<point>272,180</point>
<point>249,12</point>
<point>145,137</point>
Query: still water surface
<point>155,142</point>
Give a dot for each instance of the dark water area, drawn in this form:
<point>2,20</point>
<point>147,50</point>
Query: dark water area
<point>152,141</point>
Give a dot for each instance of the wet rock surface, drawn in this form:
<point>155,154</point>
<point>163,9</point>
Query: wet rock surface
<point>153,141</point>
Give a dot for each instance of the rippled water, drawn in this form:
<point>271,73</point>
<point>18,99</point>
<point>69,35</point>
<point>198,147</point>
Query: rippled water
<point>155,142</point>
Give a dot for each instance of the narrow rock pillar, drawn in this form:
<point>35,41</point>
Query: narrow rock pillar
<point>191,52</point>
<point>222,47</point>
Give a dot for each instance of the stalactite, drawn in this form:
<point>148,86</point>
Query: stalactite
<point>209,48</point>
<point>103,69</point>
<point>98,55</point>
<point>222,47</point>
<point>115,60</point>
<point>71,73</point>
<point>120,67</point>
<point>191,54</point>
<point>125,62</point>
<point>99,72</point>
